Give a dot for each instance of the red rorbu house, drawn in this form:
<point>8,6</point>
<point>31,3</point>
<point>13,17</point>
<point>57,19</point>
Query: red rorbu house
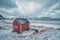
<point>20,25</point>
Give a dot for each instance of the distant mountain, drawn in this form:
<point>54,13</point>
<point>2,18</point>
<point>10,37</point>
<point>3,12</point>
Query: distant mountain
<point>49,18</point>
<point>1,17</point>
<point>45,18</point>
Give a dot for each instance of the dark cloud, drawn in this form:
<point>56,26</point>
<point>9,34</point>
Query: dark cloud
<point>51,3</point>
<point>3,12</point>
<point>58,8</point>
<point>7,4</point>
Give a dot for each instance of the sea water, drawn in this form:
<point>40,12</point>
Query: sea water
<point>46,23</point>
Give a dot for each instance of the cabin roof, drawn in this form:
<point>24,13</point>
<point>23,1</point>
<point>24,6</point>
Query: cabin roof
<point>22,20</point>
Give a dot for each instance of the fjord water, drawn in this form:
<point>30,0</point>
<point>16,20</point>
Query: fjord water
<point>46,23</point>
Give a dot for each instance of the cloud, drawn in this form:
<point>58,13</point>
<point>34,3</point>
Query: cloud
<point>51,12</point>
<point>38,8</point>
<point>51,3</point>
<point>27,7</point>
<point>54,6</point>
<point>8,11</point>
<point>7,4</point>
<point>10,16</point>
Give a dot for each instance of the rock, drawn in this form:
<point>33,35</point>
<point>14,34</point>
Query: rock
<point>57,28</point>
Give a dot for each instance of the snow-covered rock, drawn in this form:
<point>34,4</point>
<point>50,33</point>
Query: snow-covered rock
<point>47,35</point>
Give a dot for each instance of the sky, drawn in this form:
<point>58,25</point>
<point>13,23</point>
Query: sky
<point>30,8</point>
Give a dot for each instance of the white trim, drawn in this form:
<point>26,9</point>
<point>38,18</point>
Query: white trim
<point>20,28</point>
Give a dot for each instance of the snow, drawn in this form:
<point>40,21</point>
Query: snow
<point>51,35</point>
<point>45,25</point>
<point>28,32</point>
<point>7,34</point>
<point>46,34</point>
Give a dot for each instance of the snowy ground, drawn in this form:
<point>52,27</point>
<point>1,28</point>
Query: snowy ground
<point>50,34</point>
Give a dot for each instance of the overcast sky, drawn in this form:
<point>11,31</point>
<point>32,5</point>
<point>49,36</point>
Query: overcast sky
<point>30,8</point>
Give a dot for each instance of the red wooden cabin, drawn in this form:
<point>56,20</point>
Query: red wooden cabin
<point>20,25</point>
